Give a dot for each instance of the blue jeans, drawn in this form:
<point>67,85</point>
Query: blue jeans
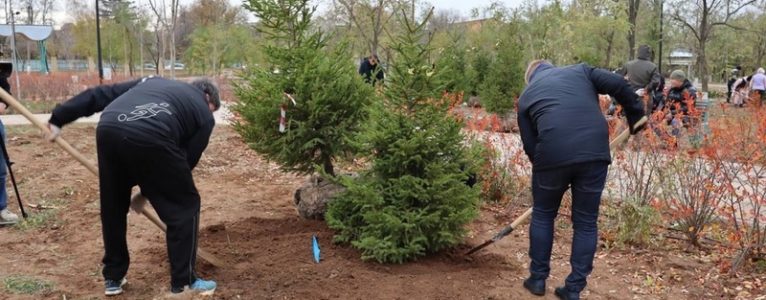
<point>3,173</point>
<point>587,182</point>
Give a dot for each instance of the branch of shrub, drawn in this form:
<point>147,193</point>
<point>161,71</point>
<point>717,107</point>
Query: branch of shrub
<point>668,228</point>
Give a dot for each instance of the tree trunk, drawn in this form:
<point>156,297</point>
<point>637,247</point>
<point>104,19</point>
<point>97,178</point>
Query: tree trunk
<point>173,53</point>
<point>704,31</point>
<point>163,51</point>
<point>378,27</point>
<point>327,165</point>
<point>131,63</point>
<point>632,17</point>
<point>173,21</point>
<point>609,48</point>
<point>125,53</point>
<point>702,65</point>
<point>760,50</point>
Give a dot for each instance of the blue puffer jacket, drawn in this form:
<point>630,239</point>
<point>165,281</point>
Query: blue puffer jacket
<point>560,118</point>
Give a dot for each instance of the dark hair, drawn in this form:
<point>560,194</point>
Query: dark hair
<point>209,88</point>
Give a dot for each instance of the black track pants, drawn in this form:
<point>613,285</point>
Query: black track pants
<point>160,169</point>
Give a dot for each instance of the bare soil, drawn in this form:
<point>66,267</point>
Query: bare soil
<point>248,219</point>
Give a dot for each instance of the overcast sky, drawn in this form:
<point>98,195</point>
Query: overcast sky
<point>463,6</point>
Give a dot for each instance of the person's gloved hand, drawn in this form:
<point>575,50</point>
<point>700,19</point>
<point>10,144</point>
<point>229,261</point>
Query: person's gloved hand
<point>55,132</point>
<point>633,121</point>
<point>640,92</point>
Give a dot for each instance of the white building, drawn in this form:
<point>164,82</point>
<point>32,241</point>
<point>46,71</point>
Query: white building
<point>682,59</point>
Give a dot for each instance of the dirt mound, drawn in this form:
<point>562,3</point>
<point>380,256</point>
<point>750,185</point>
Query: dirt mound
<point>272,258</point>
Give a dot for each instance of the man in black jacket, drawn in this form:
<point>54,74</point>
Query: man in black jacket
<point>371,70</point>
<point>565,136</point>
<point>152,133</point>
<point>643,75</point>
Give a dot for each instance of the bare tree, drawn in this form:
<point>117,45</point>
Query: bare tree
<point>358,11</point>
<point>443,19</point>
<point>173,22</point>
<point>701,17</point>
<point>165,25</point>
<point>758,31</point>
<point>44,9</point>
<point>40,10</point>
<point>158,55</point>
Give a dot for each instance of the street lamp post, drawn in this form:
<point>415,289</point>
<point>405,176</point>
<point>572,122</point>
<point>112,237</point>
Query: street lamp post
<point>98,45</point>
<point>27,65</point>
<point>13,51</point>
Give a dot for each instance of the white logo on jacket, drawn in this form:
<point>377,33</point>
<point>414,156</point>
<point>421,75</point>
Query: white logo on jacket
<point>145,111</point>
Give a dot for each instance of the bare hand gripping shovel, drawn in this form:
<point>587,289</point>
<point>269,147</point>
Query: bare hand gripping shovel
<point>93,169</point>
<point>624,135</point>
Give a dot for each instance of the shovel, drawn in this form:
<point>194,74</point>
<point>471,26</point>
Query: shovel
<point>621,138</point>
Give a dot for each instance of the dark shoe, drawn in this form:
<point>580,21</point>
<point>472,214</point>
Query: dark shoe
<point>114,287</point>
<point>536,287</point>
<point>564,294</point>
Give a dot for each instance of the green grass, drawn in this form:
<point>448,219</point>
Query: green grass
<point>21,130</point>
<point>760,265</point>
<point>19,284</point>
<point>37,220</point>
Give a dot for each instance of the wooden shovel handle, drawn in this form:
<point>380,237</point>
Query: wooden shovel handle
<point>625,134</point>
<point>44,127</point>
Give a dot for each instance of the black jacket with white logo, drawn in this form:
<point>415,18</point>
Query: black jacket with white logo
<point>153,109</point>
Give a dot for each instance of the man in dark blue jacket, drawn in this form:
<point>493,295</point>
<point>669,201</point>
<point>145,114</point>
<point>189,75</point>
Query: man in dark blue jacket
<point>152,133</point>
<point>566,138</point>
<point>371,70</point>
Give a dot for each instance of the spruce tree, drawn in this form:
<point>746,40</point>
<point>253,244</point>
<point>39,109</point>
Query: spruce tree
<point>481,62</point>
<point>505,79</point>
<point>323,98</point>
<point>452,64</point>
<point>413,200</point>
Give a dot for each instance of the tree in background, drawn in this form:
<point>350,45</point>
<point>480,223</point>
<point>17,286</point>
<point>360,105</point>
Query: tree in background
<point>220,37</point>
<point>542,32</point>
<point>125,25</point>
<point>370,18</point>
<point>165,23</point>
<point>453,63</point>
<point>633,8</point>
<point>84,31</point>
<point>505,78</point>
<point>214,47</point>
<point>481,62</point>
<point>323,99</point>
<point>701,18</point>
<point>413,200</point>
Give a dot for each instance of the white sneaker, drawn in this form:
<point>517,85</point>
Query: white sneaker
<point>6,216</point>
